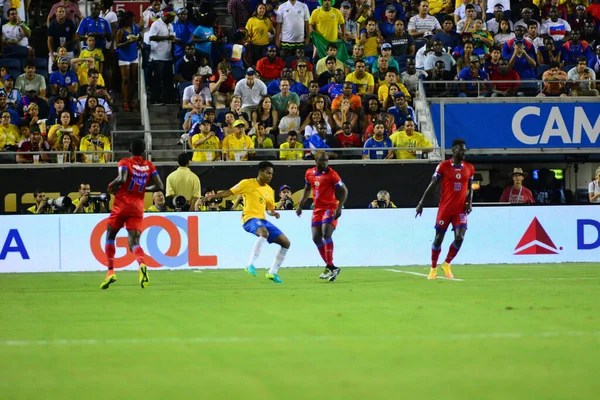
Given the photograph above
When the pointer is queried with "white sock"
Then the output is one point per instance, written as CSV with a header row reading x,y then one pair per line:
x,y
279,257
256,249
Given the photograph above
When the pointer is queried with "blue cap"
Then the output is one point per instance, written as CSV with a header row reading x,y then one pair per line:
x,y
386,46
399,94
283,187
7,77
250,71
65,59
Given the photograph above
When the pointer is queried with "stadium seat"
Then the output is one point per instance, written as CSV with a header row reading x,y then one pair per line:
x,y
540,69
40,64
19,53
15,72
281,138
418,45
11,63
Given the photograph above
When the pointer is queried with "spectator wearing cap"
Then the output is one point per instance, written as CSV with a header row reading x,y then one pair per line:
x,y
183,29
61,32
16,33
578,17
15,118
517,193
285,198
450,39
240,11
493,24
588,77
271,66
352,30
95,26
424,50
505,89
528,15
401,42
64,77
492,5
13,96
423,22
292,30
509,46
555,27
197,88
575,48
251,91
473,73
381,9
291,149
401,111
161,37
237,147
438,54
32,142
386,52
546,10
259,28
467,24
386,26
202,137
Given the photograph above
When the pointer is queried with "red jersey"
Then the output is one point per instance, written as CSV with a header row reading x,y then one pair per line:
x,y
455,184
323,186
139,172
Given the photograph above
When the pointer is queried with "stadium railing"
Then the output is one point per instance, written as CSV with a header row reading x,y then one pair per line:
x,y
145,117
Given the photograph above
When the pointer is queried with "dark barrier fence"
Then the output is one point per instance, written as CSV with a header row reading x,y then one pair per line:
x,y
405,182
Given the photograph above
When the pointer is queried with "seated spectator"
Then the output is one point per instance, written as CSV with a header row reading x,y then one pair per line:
x,y
505,74
57,108
228,121
401,110
291,121
295,87
30,81
517,193
388,101
370,38
203,138
383,67
482,39
528,16
546,10
383,201
594,188
328,75
358,53
591,34
10,135
319,105
320,140
32,143
578,18
594,62
443,88
587,78
300,56
345,114
575,48
63,77
307,99
13,96
197,88
60,53
438,54
236,109
533,35
463,61
99,116
31,98
291,150
195,114
402,43
492,64
83,70
424,50
386,54
467,24
371,115
346,139
69,101
86,109
364,82
423,22
557,28
262,140
94,145
473,73
68,149
90,102
450,39
251,91
284,97
203,68
237,147
322,65
494,25
15,33
409,137
15,118
187,66
524,64
461,11
158,203
301,74
336,88
91,51
387,22
410,78
222,85
379,143
548,53
311,126
271,66
209,115
266,114
509,46
504,33
31,116
555,80
66,126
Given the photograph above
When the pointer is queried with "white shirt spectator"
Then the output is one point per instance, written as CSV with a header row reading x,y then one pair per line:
x,y
250,96
556,30
594,189
420,57
524,25
412,81
292,19
501,38
574,75
493,3
461,25
494,26
110,17
429,23
14,32
161,51
204,93
462,13
23,85
81,106
150,16
431,59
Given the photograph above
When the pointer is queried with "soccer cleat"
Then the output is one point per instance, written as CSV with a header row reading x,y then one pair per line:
x,y
251,270
335,271
275,278
110,278
432,273
325,274
447,268
143,274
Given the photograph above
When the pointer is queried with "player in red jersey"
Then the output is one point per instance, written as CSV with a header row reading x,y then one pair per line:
x,y
324,181
128,208
456,203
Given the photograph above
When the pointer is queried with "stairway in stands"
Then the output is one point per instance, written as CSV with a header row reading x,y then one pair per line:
x,y
163,118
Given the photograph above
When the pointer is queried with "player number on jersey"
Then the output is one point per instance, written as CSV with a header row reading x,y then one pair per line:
x,y
140,179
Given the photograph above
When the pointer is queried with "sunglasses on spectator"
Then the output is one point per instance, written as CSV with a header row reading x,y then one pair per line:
x,y
301,65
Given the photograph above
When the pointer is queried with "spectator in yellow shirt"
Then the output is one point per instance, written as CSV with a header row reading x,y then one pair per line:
x,y
94,143
364,82
390,79
204,140
237,147
325,20
92,52
82,68
259,26
409,138
10,135
292,143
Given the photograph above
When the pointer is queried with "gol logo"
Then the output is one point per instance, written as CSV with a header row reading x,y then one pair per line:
x,y
173,257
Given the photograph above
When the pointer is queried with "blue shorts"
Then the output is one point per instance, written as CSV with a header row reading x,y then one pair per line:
x,y
253,224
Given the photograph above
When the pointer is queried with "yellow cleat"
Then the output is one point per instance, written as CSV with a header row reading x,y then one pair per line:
x,y
447,268
108,280
432,273
143,275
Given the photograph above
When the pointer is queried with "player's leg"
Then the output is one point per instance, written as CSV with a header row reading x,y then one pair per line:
x,y
136,249
284,243
317,237
436,249
328,228
459,236
261,233
112,228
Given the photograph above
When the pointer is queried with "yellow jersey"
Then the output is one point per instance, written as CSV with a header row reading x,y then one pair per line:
x,y
212,143
55,134
287,154
361,84
153,208
100,143
91,208
327,22
45,210
82,77
96,54
10,136
242,145
384,89
401,139
257,198
258,30
371,45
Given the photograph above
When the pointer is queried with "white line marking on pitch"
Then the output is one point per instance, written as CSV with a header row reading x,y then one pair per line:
x,y
292,339
420,274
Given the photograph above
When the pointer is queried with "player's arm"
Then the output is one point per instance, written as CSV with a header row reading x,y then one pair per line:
x,y
341,192
432,185
469,205
121,178
221,194
157,184
305,196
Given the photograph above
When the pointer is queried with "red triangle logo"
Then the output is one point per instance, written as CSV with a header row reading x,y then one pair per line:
x,y
535,240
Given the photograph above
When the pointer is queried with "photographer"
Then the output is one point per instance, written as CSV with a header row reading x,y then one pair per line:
x,y
41,204
285,198
209,205
158,200
88,204
183,182
383,201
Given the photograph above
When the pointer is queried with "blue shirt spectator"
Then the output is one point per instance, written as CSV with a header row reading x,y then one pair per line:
x,y
333,89
570,51
63,77
401,111
377,149
183,30
295,87
204,32
95,26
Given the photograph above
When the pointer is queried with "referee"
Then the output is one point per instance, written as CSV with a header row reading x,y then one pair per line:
x,y
183,182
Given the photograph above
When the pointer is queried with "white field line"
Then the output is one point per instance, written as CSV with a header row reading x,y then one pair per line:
x,y
293,339
420,274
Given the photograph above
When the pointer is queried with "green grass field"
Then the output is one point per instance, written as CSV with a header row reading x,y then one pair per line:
x,y
504,332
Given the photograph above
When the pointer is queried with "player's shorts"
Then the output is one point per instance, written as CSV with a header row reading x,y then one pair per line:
x,y
445,218
324,216
253,224
128,216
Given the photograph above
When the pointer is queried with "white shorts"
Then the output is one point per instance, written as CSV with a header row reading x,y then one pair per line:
x,y
124,63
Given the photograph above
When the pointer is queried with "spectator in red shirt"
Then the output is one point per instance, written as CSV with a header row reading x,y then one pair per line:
x,y
593,10
34,142
505,74
346,139
270,67
517,193
222,85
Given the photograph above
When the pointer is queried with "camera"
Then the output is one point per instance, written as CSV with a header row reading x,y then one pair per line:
x,y
214,201
177,202
60,203
381,204
288,204
99,198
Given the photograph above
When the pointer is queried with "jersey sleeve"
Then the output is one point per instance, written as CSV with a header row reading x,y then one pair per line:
x,y
472,169
336,180
271,201
439,171
123,164
152,169
239,188
306,179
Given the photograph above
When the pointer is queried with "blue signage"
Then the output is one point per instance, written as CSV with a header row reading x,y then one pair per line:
x,y
520,125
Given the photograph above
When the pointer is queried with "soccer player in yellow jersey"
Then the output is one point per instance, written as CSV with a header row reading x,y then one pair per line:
x,y
259,197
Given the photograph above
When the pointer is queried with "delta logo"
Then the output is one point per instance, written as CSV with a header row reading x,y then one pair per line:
x,y
535,240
